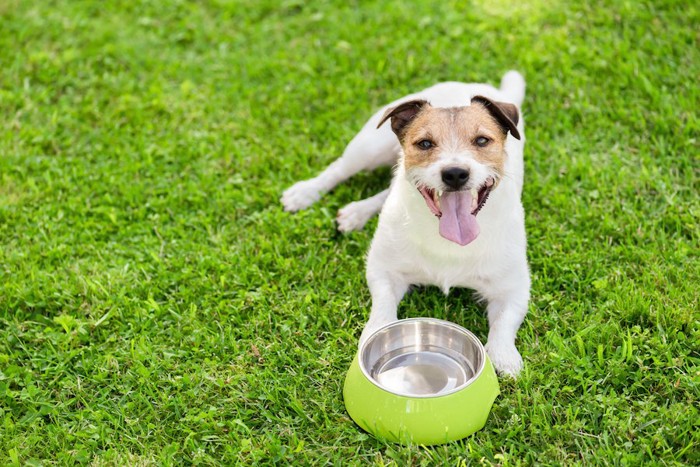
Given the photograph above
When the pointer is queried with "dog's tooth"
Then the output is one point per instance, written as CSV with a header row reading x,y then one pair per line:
x,y
475,193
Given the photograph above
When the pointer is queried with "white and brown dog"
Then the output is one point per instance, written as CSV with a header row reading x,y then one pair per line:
x,y
452,216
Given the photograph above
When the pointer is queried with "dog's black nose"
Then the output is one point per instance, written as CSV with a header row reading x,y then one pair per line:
x,y
455,177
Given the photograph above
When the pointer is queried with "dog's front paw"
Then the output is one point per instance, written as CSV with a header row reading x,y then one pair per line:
x,y
353,217
505,358
301,195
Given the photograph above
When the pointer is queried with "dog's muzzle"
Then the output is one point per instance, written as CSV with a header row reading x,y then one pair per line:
x,y
457,209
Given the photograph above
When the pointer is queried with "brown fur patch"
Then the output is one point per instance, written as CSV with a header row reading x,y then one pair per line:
x,y
454,130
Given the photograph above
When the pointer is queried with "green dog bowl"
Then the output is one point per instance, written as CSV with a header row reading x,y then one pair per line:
x,y
421,381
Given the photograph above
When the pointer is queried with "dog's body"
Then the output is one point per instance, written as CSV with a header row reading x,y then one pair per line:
x,y
459,155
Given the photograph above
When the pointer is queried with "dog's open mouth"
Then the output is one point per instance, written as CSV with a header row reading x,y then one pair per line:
x,y
457,210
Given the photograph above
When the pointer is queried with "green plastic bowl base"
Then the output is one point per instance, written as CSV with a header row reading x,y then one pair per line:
x,y
420,420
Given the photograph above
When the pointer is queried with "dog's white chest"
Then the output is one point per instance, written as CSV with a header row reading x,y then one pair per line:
x,y
407,241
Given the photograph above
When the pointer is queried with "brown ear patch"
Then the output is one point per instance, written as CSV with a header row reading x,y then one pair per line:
x,y
505,114
402,115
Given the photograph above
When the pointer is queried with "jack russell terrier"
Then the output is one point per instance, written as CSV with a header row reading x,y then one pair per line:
x,y
452,216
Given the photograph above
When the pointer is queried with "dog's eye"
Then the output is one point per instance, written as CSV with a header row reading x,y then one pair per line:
x,y
482,141
425,144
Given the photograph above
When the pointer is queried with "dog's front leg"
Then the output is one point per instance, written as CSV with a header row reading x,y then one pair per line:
x,y
506,313
387,290
355,215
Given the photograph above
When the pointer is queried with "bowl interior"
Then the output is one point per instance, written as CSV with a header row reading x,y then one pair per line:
x,y
422,357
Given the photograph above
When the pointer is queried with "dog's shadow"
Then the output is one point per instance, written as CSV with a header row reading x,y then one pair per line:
x,y
460,307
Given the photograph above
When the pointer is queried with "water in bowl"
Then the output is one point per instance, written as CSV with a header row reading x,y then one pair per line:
x,y
429,371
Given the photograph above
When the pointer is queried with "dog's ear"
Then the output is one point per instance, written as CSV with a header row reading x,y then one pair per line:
x,y
505,114
401,115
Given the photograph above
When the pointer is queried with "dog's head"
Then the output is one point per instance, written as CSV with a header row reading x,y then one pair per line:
x,y
454,156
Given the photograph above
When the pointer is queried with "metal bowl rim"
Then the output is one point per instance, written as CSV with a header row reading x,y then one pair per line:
x,y
470,335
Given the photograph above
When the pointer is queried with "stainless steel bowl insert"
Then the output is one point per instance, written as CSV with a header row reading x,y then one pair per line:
x,y
422,357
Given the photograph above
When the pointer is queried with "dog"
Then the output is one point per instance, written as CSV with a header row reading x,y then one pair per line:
x,y
452,216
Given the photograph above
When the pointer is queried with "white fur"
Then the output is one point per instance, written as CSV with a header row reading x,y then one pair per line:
x,y
407,248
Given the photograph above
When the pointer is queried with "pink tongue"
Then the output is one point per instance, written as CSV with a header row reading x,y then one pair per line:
x,y
457,223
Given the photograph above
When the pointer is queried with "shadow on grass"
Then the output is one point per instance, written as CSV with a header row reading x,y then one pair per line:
x,y
460,307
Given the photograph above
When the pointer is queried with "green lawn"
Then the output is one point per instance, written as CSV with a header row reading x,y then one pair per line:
x,y
157,305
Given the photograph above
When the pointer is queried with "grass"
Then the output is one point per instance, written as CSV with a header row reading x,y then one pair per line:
x,y
157,306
